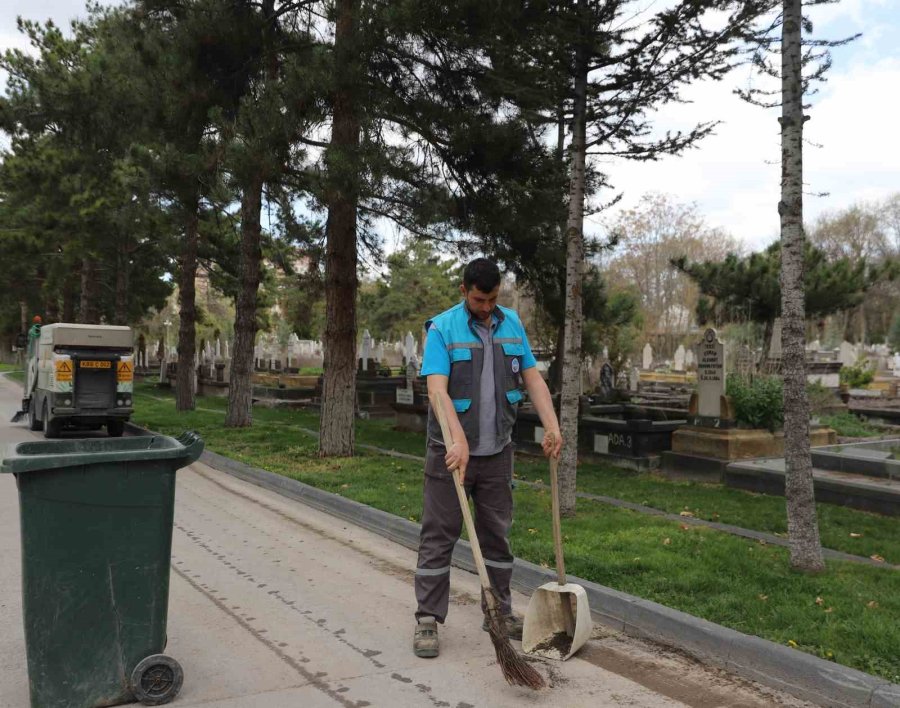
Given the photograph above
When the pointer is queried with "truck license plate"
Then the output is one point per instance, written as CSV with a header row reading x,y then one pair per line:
x,y
96,365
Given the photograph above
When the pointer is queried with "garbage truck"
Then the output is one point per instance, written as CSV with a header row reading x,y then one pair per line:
x,y
79,376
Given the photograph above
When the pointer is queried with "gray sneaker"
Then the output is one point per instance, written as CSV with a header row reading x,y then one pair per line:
x,y
514,625
425,638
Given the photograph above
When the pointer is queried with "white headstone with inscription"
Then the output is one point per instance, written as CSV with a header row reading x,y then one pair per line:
x,y
710,375
647,358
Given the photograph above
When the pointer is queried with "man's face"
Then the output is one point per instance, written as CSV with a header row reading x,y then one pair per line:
x,y
480,304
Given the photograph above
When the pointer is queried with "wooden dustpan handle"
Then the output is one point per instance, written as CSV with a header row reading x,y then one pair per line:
x,y
565,601
557,528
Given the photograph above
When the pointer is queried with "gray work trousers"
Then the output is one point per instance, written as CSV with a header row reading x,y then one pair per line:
x,y
489,483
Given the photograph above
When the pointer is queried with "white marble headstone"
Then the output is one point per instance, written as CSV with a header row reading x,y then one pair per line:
x,y
365,352
679,358
847,354
647,358
409,346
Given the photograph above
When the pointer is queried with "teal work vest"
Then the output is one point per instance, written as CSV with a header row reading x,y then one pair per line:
x,y
466,352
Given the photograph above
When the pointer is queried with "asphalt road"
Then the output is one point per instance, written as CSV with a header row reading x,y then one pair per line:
x,y
273,604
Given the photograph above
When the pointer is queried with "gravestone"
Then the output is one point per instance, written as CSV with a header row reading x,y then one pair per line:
x,y
710,375
647,357
633,379
847,354
409,346
679,358
689,359
607,382
365,351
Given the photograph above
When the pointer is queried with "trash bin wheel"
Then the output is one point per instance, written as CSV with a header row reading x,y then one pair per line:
x,y
156,680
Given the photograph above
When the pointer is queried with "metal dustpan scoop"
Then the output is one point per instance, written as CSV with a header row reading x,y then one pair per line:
x,y
558,618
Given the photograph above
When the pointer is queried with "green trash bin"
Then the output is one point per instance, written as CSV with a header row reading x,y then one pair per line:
x,y
96,519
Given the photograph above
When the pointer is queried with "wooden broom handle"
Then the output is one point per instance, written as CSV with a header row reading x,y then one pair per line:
x,y
464,503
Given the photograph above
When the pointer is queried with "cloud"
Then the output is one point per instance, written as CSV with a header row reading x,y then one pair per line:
x,y
734,175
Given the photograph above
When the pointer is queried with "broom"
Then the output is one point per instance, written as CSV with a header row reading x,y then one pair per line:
x,y
516,670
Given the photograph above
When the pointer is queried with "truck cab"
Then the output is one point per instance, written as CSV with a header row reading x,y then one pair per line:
x,y
80,376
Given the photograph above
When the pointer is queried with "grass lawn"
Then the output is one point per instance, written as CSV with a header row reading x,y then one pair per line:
x,y
8,367
14,373
850,614
850,425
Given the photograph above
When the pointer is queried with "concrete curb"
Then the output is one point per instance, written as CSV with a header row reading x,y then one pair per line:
x,y
803,675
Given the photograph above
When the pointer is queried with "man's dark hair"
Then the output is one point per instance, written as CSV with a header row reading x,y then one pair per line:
x,y
483,274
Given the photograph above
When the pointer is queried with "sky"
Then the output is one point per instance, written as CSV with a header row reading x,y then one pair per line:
x,y
853,153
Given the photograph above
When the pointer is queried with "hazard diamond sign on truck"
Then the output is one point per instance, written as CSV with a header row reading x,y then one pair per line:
x,y
63,371
125,371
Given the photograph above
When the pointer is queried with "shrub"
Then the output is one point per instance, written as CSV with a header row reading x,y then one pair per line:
x,y
821,398
757,401
857,376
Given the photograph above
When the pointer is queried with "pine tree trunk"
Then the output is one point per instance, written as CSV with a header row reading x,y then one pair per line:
x,y
339,381
240,386
571,369
803,528
69,297
121,306
184,381
87,311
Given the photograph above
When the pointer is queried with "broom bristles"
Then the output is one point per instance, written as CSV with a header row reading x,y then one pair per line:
x,y
516,670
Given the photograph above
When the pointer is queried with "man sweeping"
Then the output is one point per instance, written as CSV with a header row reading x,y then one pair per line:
x,y
477,355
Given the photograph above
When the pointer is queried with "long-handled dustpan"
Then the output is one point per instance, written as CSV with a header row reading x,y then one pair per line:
x,y
558,619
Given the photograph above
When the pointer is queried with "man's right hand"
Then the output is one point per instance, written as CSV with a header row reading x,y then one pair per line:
x,y
457,458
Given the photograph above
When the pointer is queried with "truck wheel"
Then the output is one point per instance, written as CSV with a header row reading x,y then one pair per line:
x,y
156,680
115,427
34,422
51,427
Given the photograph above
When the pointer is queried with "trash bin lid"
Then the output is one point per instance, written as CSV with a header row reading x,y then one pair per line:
x,y
37,455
